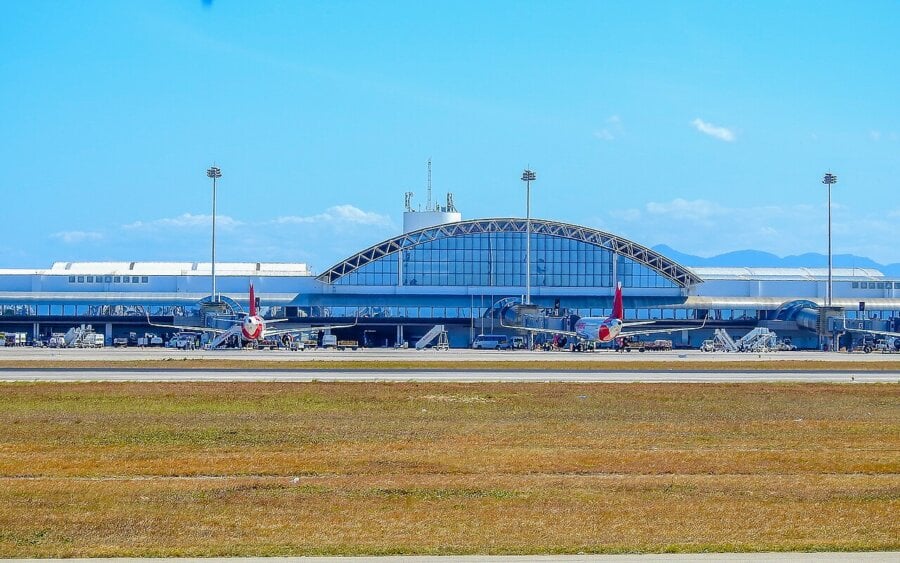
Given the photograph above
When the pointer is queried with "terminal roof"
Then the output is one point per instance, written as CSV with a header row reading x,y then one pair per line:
x,y
167,269
806,274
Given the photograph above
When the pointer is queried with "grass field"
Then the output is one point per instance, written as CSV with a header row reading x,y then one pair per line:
x,y
344,468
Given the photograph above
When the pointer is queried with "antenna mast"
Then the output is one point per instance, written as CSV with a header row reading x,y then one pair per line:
x,y
428,202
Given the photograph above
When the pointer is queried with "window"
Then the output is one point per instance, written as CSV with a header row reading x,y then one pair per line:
x,y
125,279
90,279
117,279
880,285
896,285
144,279
71,279
855,285
80,279
135,279
107,279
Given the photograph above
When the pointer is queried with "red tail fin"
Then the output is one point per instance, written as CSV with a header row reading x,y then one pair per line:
x,y
252,302
618,312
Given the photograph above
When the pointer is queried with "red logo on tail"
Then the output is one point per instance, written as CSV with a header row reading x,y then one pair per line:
x,y
252,302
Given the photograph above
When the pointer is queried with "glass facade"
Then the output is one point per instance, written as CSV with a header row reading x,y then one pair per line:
x,y
498,260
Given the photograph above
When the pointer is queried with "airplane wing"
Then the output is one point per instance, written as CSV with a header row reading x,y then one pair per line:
x,y
280,331
539,330
657,331
186,327
238,321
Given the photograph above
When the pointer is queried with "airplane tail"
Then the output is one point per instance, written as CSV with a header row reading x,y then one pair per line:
x,y
618,312
252,302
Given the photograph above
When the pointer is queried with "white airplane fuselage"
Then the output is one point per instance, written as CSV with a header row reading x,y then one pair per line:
x,y
598,329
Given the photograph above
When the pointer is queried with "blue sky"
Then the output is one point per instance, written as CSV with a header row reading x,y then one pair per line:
x,y
703,125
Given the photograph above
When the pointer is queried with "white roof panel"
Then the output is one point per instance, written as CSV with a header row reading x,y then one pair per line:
x,y
800,274
166,269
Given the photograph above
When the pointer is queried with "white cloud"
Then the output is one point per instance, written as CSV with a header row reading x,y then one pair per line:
x,y
716,131
185,221
611,131
339,214
77,237
705,228
630,215
694,210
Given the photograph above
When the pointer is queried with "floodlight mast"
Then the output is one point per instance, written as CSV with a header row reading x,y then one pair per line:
x,y
829,180
215,173
528,176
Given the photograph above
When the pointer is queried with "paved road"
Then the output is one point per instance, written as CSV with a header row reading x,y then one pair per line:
x,y
446,376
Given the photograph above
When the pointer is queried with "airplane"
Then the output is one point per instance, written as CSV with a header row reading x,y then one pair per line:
x,y
607,329
251,326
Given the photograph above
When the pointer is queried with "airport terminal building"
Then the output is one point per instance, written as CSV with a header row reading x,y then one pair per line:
x,y
468,275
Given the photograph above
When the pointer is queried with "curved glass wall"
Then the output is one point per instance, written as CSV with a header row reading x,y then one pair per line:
x,y
498,260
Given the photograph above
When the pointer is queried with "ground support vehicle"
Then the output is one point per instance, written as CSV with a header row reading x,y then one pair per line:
x,y
269,344
120,342
184,341
91,340
13,339
627,345
344,344
490,342
149,340
584,346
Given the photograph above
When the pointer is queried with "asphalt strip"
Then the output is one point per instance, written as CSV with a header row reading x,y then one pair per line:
x,y
444,376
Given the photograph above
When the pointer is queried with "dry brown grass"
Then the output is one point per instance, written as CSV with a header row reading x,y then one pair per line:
x,y
344,468
740,363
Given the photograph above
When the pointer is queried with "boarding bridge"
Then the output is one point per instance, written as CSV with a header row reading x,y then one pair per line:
x,y
436,330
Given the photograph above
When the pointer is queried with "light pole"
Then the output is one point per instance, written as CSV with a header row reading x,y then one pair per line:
x,y
214,173
528,176
829,180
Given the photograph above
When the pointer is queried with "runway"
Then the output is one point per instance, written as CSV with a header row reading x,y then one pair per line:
x,y
460,376
411,355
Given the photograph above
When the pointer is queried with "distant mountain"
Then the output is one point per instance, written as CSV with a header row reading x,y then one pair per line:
x,y
759,259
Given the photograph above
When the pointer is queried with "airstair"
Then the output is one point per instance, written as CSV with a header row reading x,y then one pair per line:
x,y
760,339
72,336
223,337
435,332
724,341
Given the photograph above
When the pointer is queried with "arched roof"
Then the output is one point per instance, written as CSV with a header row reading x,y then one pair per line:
x,y
673,271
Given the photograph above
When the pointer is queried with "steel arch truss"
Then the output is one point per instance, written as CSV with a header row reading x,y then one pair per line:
x,y
673,271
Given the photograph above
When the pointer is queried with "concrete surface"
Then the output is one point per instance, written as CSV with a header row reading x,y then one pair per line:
x,y
148,375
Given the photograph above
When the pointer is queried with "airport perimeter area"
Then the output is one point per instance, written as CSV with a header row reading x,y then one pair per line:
x,y
445,461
